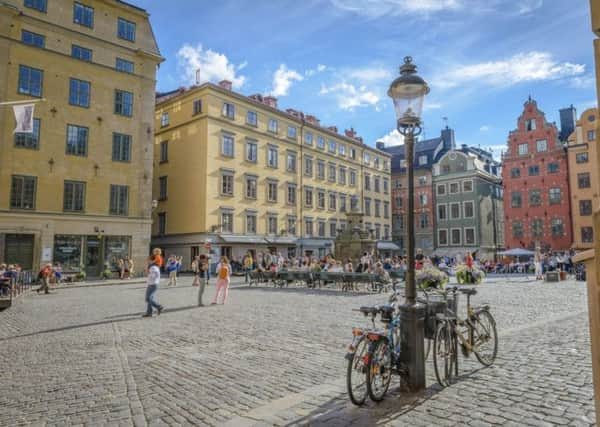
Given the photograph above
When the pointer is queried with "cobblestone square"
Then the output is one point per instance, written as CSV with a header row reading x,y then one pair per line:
x,y
84,356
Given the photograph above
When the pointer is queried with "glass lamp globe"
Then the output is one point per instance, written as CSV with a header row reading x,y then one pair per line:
x,y
408,93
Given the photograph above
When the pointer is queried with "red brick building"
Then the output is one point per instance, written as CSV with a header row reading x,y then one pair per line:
x,y
536,184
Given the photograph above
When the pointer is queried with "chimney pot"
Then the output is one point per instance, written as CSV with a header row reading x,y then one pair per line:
x,y
225,84
271,101
333,128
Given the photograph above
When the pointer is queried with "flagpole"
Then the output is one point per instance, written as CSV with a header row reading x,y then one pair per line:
x,y
28,101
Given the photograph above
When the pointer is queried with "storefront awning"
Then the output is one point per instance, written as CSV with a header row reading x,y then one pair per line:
x,y
236,238
315,243
387,246
281,240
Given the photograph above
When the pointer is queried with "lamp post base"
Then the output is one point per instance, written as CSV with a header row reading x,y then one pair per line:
x,y
412,352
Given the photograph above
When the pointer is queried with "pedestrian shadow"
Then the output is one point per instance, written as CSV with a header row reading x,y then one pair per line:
x,y
109,319
309,291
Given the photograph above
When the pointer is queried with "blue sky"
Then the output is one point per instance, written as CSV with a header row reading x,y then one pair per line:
x,y
335,58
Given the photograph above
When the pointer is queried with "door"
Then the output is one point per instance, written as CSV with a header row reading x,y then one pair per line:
x,y
93,256
18,249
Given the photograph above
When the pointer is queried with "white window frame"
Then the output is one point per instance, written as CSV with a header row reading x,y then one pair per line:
x,y
253,215
227,135
524,151
270,163
450,188
460,234
464,211
437,191
545,145
251,113
450,210
269,198
273,126
474,236
447,237
437,211
463,186
422,160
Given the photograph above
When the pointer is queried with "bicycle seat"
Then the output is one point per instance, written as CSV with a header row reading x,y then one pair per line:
x,y
368,310
468,291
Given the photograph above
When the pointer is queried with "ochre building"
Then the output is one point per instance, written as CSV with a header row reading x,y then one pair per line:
x,y
584,178
235,174
78,190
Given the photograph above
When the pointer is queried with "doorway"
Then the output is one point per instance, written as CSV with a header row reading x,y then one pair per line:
x,y
18,249
93,256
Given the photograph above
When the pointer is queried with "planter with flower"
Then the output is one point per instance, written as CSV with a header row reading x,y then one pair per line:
x,y
462,275
430,277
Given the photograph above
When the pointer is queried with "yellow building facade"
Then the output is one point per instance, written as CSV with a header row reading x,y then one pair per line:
x,y
236,173
78,190
584,179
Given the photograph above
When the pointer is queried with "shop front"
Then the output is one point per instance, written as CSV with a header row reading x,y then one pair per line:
x,y
91,253
18,249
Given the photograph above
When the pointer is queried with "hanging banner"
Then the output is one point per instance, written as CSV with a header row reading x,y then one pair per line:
x,y
24,118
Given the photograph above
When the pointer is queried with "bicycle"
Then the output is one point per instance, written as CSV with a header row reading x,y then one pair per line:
x,y
475,334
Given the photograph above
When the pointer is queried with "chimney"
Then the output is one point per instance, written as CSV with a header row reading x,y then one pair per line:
x,y
350,133
257,97
332,128
380,145
225,84
271,101
359,139
295,113
312,120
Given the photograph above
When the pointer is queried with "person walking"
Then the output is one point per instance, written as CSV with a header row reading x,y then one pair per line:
x,y
45,275
152,286
172,270
223,279
248,263
196,270
203,278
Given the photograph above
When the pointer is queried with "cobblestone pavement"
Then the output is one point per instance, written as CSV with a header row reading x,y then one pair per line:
x,y
85,356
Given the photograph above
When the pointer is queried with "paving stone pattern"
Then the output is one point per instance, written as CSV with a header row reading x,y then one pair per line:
x,y
84,356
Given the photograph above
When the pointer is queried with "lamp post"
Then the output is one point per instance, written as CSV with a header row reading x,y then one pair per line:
x,y
408,92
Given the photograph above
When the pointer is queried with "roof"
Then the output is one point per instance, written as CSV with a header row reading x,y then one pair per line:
x,y
420,146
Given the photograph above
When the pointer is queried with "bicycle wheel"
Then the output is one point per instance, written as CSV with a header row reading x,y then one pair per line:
x,y
379,370
485,338
356,375
444,355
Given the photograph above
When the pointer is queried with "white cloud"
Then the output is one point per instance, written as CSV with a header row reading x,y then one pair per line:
x,y
321,68
213,66
393,138
484,128
519,68
312,71
242,65
527,6
428,106
371,75
377,8
348,96
583,82
282,80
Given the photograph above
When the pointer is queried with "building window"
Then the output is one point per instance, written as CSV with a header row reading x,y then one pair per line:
x,y
272,157
585,207
33,39
164,151
124,66
126,29
557,227
581,157
587,234
535,197
376,162
517,229
22,192
162,188
541,145
530,125
83,15
251,151
441,189
251,223
291,132
386,165
121,149
162,223
367,158
591,135
367,182
308,138
352,178
332,146
455,236
74,196
534,170
40,5
227,184
352,154
469,236
386,186
29,140
398,202
228,110
342,149
332,201
368,207
469,210
272,191
386,232
79,93
332,172
555,196
291,162
320,169
119,200
123,103
77,139
308,197
251,187
272,224
403,164
342,203
422,160
227,145
321,229
252,118
30,81
422,180
376,181
515,173
443,237
467,186
386,209
227,221
423,199
423,221
454,187
523,149
164,119
515,199
454,210
273,126
583,180
320,199
320,142
291,226
333,229
308,224
553,167
537,227
81,53
442,212
308,166
291,195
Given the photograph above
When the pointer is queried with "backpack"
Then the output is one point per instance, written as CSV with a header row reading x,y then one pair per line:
x,y
223,271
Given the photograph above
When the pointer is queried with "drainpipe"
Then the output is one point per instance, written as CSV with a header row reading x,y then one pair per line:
x,y
300,200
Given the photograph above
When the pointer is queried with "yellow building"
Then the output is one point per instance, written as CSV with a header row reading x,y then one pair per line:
x,y
584,179
240,174
78,190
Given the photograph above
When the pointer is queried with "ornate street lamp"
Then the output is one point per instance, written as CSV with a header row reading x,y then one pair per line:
x,y
408,93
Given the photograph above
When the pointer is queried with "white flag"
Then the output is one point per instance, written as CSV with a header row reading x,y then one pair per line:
x,y
24,118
